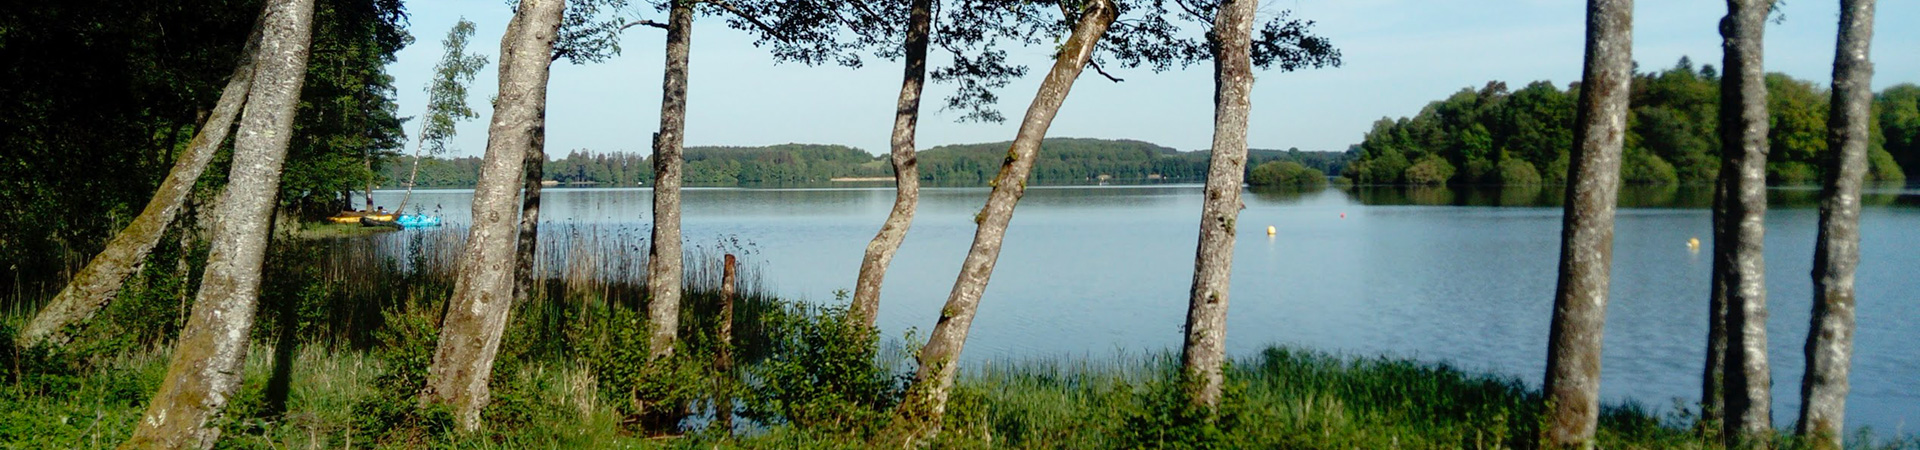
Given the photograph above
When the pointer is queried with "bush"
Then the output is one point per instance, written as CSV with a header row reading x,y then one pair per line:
x,y
1642,167
823,373
1431,170
1286,173
1790,173
1882,168
1516,171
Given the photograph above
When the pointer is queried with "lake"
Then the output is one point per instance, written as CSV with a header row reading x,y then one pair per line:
x,y
1464,276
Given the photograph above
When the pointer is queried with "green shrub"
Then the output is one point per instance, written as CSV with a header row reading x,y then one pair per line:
x,y
1286,173
823,372
1516,171
1641,167
1431,170
1792,173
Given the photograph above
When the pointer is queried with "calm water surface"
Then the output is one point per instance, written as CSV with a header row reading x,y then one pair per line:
x,y
1463,277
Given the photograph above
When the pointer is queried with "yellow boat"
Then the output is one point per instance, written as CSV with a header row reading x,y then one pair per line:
x,y
353,217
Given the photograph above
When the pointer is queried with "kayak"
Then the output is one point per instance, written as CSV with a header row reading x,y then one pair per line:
x,y
417,221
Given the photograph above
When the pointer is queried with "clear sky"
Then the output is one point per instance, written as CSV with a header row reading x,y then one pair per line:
x,y
1399,55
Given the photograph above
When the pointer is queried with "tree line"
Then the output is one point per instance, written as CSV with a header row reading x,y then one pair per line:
x,y
1496,136
1065,160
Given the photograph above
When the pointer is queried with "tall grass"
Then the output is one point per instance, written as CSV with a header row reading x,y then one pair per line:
x,y
347,327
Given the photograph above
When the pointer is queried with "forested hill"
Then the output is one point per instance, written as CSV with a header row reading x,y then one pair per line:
x,y
1495,136
1063,160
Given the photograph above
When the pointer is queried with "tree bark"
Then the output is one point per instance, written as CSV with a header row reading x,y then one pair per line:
x,y
205,369
917,419
1823,390
96,284
1586,237
530,217
663,256
1206,329
906,169
1743,173
483,289
1713,380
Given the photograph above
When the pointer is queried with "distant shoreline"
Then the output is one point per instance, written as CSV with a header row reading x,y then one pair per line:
x,y
858,179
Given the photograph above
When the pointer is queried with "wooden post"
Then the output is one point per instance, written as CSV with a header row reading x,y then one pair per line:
x,y
723,359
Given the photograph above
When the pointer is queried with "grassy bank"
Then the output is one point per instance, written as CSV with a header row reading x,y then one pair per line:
x,y
1282,398
347,327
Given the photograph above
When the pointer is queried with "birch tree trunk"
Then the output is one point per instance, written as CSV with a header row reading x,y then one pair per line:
x,y
663,256
1743,174
1206,329
917,419
530,216
1823,390
1586,237
205,368
906,169
483,289
1714,380
96,284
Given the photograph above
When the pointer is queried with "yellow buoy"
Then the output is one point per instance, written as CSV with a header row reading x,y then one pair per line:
x,y
1269,230
1693,244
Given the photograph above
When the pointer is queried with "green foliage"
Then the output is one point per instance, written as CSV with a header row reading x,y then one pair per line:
x,y
1646,168
1062,160
392,415
1431,170
1517,172
1671,132
1286,173
823,373
447,92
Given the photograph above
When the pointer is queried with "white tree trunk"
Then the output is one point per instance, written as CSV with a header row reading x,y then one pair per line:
x,y
1823,390
1586,238
483,289
205,369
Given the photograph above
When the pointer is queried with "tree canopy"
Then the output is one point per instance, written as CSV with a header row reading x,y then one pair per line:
x,y
1495,136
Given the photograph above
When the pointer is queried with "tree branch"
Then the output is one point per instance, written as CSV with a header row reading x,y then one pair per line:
x,y
643,22
1096,69
728,6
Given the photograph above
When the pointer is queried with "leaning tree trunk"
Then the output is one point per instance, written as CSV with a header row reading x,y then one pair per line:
x,y
663,256
1713,379
906,169
530,217
1823,390
1586,236
1743,173
413,175
917,419
483,289
1206,330
205,370
100,280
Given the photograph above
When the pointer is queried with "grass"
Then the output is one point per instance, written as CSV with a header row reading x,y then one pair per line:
x,y
361,312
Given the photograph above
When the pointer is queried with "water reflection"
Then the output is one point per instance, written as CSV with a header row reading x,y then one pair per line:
x,y
1458,274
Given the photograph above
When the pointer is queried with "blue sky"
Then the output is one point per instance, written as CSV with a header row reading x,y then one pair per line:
x,y
1399,55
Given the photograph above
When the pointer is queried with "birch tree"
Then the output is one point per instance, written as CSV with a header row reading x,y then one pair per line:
x,y
917,418
1836,254
1743,175
1586,238
205,368
476,315
95,285
446,101
906,172
663,250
